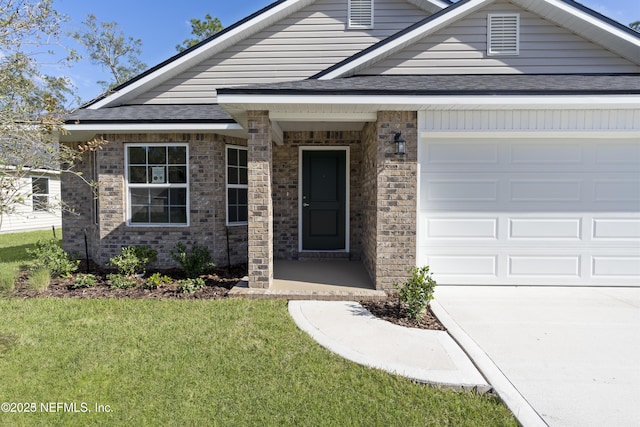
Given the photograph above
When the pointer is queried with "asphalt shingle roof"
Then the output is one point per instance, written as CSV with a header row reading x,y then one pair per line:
x,y
170,113
509,84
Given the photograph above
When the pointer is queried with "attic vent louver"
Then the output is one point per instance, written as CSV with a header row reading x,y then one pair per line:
x,y
360,13
503,34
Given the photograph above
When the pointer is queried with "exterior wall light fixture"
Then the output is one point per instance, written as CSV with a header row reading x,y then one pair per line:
x,y
401,144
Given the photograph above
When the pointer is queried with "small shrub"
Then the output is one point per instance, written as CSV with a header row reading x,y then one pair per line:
x,y
49,255
84,281
8,280
133,260
189,286
417,291
119,281
193,263
156,280
39,279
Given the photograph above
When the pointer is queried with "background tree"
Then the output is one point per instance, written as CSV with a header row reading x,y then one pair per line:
x,y
109,48
635,25
201,30
32,102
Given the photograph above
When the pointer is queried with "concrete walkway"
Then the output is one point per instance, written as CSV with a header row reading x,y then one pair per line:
x,y
349,330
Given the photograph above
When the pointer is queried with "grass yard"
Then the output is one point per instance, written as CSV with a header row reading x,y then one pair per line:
x,y
200,362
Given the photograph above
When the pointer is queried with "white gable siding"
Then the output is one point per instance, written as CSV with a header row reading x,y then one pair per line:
x,y
25,219
295,48
462,49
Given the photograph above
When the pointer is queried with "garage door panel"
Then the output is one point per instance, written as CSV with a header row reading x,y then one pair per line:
x,y
618,228
466,228
544,265
607,267
547,213
545,228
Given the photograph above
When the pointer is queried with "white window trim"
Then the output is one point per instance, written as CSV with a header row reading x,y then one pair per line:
x,y
169,186
515,52
357,26
228,186
47,194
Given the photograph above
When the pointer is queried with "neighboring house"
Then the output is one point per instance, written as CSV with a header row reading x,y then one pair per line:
x,y
40,209
519,121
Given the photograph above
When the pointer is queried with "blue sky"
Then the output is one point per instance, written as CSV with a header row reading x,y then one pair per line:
x,y
163,24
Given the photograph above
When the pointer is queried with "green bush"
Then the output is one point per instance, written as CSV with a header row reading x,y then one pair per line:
x,y
133,260
193,263
84,281
8,279
189,286
39,279
49,255
119,281
156,280
417,291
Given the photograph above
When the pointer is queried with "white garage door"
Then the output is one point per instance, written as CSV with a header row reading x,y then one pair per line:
x,y
530,211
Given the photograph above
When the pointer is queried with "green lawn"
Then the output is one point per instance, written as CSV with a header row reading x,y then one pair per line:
x,y
201,362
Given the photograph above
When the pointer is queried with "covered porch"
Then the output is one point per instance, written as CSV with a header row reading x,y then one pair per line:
x,y
333,280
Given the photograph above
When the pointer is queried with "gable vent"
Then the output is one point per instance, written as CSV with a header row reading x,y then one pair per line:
x,y
360,13
503,34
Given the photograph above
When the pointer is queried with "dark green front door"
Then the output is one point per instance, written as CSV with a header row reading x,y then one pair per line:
x,y
323,199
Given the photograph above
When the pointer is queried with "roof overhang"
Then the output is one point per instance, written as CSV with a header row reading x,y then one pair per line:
x,y
85,131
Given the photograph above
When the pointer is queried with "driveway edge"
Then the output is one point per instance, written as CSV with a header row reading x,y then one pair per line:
x,y
517,404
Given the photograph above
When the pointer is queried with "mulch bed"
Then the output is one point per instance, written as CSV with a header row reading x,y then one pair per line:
x,y
392,310
218,283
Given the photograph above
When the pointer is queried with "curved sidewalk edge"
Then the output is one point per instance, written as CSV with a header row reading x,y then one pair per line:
x,y
522,410
349,330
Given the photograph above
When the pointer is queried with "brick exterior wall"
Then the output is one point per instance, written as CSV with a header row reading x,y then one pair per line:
x,y
207,204
383,195
286,171
260,239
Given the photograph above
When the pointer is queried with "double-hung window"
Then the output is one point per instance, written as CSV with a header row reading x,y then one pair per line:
x,y
157,184
237,186
40,194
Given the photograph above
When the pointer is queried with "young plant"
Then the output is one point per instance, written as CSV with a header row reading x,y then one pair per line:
x,y
156,280
49,255
119,281
134,260
193,263
417,291
8,280
189,286
39,279
84,281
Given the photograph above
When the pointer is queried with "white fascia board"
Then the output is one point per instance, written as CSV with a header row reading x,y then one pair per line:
x,y
421,101
151,127
424,4
594,21
332,117
405,39
524,133
207,50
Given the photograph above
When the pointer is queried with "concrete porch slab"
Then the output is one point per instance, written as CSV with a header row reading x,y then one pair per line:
x,y
315,280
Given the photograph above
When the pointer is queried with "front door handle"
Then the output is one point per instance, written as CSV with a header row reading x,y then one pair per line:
x,y
305,205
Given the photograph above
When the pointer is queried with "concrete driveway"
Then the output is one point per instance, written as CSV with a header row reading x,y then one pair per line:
x,y
572,353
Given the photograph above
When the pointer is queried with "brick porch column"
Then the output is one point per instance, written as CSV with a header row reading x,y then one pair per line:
x,y
260,239
397,183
